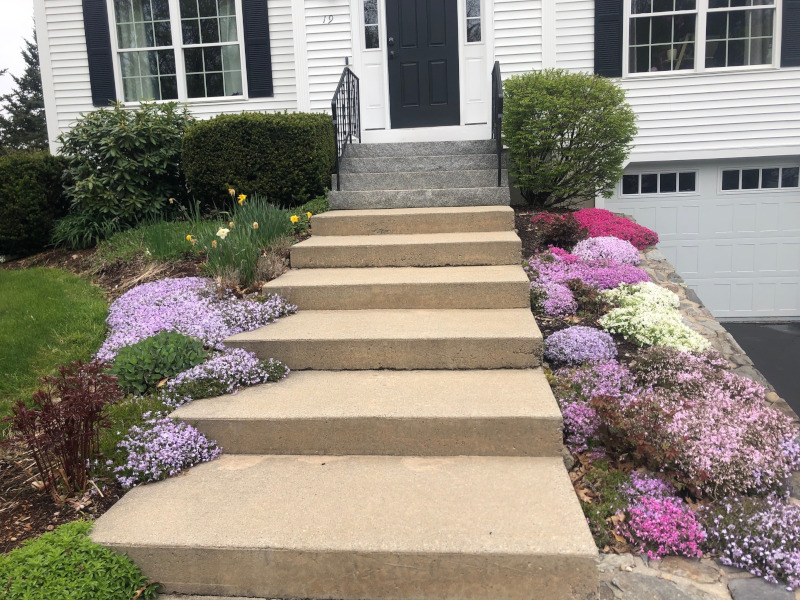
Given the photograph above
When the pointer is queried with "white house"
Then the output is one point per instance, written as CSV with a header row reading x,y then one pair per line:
x,y
715,84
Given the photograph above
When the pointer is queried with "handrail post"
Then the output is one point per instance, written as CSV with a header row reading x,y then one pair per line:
x,y
345,107
336,139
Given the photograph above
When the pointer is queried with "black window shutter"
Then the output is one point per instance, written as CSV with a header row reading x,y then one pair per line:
x,y
790,46
608,38
98,46
258,58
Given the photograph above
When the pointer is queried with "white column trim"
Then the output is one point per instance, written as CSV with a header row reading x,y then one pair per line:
x,y
548,34
302,90
46,69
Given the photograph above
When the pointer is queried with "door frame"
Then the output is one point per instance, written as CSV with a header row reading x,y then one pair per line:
x,y
472,113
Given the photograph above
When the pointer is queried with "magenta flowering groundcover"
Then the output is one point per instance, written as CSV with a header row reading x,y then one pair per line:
x,y
600,222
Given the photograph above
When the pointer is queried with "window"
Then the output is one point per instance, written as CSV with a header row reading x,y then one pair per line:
x,y
760,179
739,32
662,35
146,53
371,28
171,49
473,21
670,182
695,35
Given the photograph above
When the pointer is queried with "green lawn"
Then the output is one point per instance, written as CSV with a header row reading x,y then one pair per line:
x,y
47,318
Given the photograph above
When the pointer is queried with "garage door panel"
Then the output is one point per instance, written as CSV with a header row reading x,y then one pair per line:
x,y
763,298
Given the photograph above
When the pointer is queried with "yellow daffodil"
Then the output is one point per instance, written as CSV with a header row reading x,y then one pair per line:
x,y
255,225
230,224
242,198
294,218
214,243
172,200
188,238
232,191
223,233
308,214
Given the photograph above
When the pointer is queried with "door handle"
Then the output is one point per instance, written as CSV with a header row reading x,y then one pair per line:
x,y
391,54
391,41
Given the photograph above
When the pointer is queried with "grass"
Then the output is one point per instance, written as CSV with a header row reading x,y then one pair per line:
x,y
66,565
47,318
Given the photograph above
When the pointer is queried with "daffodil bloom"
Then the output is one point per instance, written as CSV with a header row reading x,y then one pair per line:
x,y
223,233
172,200
232,191
255,225
308,214
294,218
214,243
188,238
230,224
242,198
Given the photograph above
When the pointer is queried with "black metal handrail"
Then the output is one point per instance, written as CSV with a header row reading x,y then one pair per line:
x,y
497,118
346,109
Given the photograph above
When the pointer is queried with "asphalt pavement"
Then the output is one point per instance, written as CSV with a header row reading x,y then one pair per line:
x,y
774,348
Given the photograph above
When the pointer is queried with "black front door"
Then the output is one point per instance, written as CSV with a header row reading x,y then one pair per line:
x,y
423,62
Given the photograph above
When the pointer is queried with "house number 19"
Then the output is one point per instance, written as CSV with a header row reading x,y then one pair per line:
x,y
327,19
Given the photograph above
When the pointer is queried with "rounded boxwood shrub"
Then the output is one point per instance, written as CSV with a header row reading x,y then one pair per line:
x,y
286,157
140,367
31,199
568,135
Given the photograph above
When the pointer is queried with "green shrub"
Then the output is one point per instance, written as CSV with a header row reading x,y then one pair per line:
x,y
125,164
568,135
66,565
31,199
286,157
141,366
83,229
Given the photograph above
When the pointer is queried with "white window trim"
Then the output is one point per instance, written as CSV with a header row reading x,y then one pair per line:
x,y
700,46
695,192
363,23
759,190
180,62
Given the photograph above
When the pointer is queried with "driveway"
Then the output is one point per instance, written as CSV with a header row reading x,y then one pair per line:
x,y
774,348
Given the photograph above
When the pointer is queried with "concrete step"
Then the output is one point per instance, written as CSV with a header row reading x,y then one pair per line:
x,y
356,527
420,149
398,413
412,180
447,162
450,219
413,250
420,198
503,286
399,339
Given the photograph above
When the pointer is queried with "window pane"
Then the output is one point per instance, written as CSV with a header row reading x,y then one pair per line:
x,y
789,177
212,59
193,57
227,8
640,59
736,50
650,183
188,8
122,9
639,7
684,28
370,12
770,178
686,181
473,8
231,58
169,88
215,85
208,8
630,184
191,31
161,10
717,3
737,24
715,54
371,36
730,180
668,183
136,27
129,63
663,5
209,31
685,57
661,30
131,89
166,62
760,23
685,5
195,86
717,26
233,83
750,179
473,30
227,30
640,32
163,33
761,51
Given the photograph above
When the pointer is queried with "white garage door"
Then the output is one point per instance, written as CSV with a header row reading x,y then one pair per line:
x,y
731,228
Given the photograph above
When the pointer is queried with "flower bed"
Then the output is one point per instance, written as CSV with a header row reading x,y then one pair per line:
x,y
670,407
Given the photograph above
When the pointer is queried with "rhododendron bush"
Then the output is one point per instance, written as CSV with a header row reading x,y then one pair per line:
x,y
600,222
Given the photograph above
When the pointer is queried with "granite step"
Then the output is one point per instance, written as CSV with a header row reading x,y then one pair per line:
x,y
412,250
420,149
447,162
450,219
420,198
508,412
413,180
399,339
355,527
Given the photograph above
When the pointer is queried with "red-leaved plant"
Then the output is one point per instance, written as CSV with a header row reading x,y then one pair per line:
x,y
61,428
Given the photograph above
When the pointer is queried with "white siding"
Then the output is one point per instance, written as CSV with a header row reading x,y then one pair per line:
x,y
574,35
328,43
518,35
716,115
65,65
